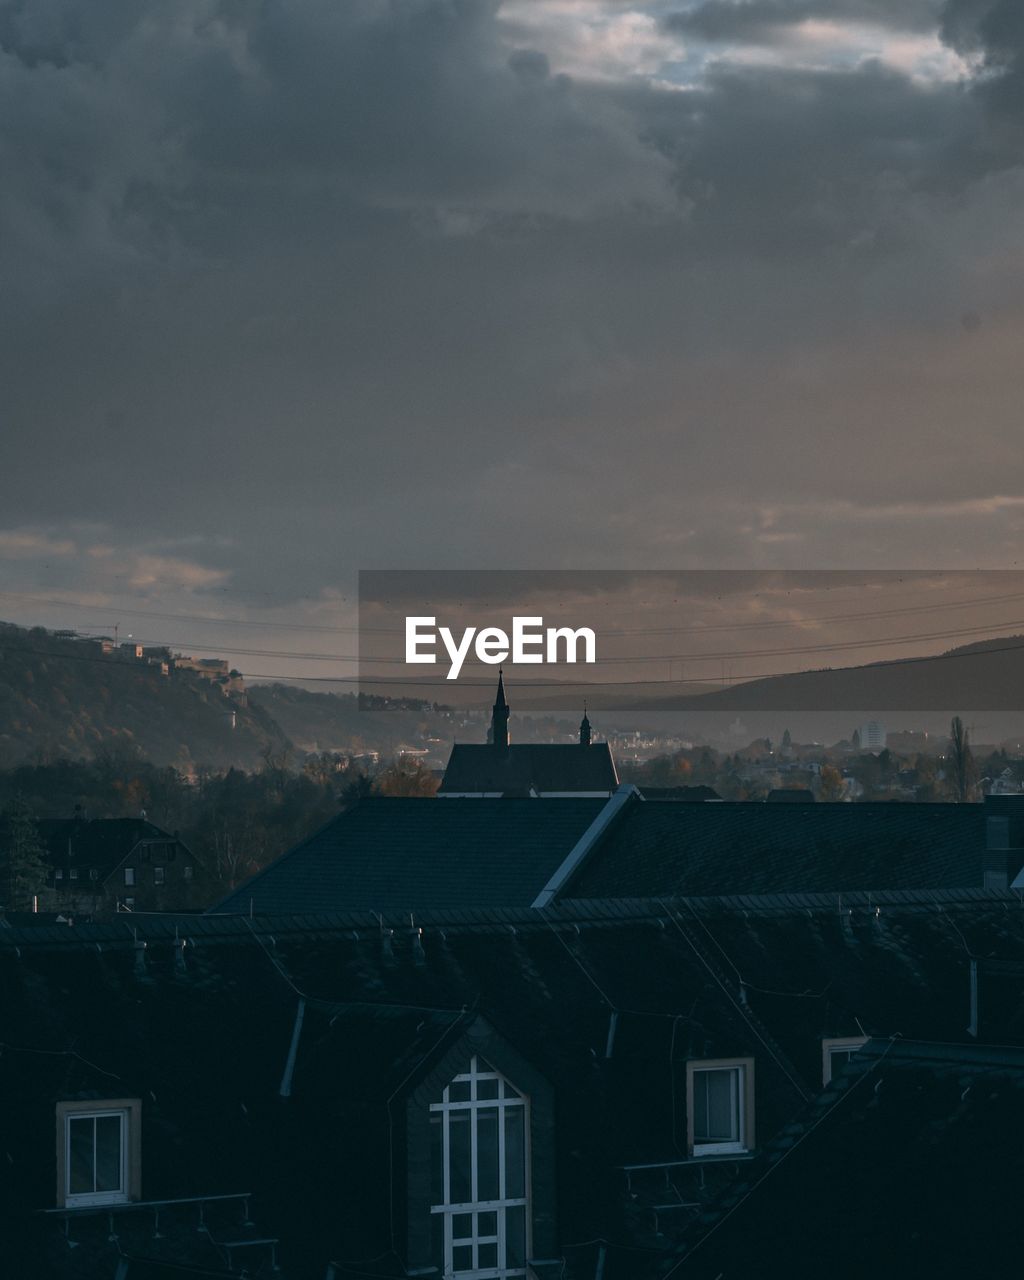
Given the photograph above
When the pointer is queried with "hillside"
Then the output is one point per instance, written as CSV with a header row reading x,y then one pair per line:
x,y
350,724
63,697
984,676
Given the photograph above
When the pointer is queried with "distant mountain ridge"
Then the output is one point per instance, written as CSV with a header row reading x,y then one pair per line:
x,y
986,675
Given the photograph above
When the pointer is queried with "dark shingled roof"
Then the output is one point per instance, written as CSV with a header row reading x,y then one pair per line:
x,y
750,847
399,853
202,1034
910,1164
514,770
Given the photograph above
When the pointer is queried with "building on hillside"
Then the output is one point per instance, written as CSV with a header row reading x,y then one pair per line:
x,y
100,866
503,1092
502,768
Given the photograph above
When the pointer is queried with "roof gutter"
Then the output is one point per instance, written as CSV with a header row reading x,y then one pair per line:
x,y
588,840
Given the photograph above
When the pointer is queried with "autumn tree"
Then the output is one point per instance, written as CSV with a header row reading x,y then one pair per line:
x,y
23,866
401,779
830,783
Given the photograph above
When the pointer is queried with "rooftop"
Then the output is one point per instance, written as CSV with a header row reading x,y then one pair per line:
x,y
701,849
522,768
607,1001
416,853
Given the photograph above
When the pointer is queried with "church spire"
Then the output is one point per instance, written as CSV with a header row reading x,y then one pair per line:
x,y
584,729
499,716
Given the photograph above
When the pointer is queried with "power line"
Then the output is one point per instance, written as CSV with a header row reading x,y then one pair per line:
x,y
839,646
551,686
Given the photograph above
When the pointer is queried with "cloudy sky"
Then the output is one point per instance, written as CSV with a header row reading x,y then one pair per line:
x,y
294,287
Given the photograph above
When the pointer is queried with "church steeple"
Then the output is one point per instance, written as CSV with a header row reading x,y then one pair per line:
x,y
584,729
499,717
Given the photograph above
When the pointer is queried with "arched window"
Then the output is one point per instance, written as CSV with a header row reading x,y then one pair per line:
x,y
480,1185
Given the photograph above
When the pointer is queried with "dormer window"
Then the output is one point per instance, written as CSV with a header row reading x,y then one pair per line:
x,y
97,1153
836,1053
480,1198
720,1106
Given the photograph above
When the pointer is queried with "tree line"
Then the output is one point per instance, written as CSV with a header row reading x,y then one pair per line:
x,y
234,821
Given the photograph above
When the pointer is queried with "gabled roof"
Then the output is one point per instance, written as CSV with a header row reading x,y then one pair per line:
x,y
102,843
522,767
404,853
751,847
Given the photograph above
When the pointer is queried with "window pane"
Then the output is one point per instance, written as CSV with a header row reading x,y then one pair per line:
x,y
462,1226
515,1153
437,1240
459,1187
108,1153
487,1224
487,1154
716,1110
80,1180
487,1089
515,1237
458,1091
462,1258
436,1161
488,1255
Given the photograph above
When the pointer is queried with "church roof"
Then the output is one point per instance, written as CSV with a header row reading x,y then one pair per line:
x,y
522,767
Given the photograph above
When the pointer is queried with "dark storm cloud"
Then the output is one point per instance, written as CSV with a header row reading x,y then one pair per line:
x,y
992,31
772,21
319,285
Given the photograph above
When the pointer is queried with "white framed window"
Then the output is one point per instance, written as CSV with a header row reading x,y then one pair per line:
x,y
720,1106
97,1152
73,873
836,1053
480,1132
59,874
186,871
129,876
158,875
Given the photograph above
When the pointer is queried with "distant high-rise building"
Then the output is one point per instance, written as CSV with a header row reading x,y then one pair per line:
x,y
873,736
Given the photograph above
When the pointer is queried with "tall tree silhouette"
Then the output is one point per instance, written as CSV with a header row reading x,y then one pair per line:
x,y
962,773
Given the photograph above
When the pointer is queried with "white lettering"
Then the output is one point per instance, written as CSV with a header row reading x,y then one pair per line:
x,y
457,652
413,640
531,643
571,639
492,645
521,638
